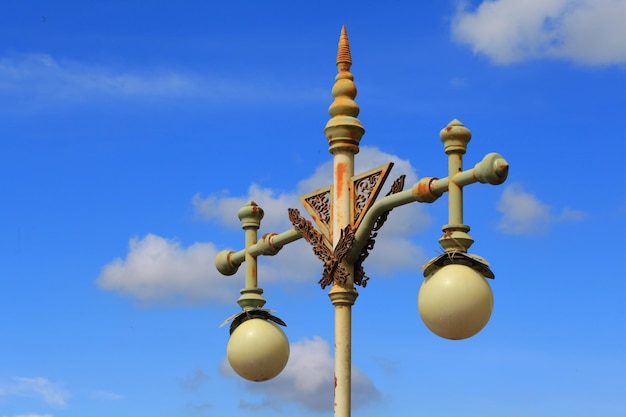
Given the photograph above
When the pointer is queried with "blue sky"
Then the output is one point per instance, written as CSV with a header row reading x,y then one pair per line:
x,y
131,132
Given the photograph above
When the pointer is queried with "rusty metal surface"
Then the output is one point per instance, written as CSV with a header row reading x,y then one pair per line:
x,y
344,130
359,273
334,271
366,187
479,263
318,205
256,313
349,216
424,192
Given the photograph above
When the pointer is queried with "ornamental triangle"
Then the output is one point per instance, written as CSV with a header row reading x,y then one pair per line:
x,y
319,205
365,189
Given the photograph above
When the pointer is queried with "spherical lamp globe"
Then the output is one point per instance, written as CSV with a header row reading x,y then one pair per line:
x,y
455,302
258,350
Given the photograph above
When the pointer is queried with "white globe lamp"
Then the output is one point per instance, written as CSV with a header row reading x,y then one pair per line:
x,y
455,302
258,350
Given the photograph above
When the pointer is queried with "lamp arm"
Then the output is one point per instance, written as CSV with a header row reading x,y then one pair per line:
x,y
421,191
493,169
228,261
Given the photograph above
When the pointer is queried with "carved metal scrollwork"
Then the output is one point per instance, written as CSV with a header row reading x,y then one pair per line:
x,y
334,270
359,273
321,204
363,189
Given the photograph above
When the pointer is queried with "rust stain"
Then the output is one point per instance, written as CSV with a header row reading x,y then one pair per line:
x,y
343,53
340,173
423,188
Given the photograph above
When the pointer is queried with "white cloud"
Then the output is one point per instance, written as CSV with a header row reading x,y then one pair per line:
x,y
51,393
523,213
308,380
44,75
33,415
369,157
43,80
458,82
106,395
199,408
585,31
193,382
394,250
161,270
223,208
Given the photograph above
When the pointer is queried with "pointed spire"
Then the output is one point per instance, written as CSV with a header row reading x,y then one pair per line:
x,y
344,130
344,58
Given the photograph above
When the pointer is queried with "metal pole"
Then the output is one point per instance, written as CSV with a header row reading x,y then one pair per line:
x,y
251,295
344,132
349,228
455,138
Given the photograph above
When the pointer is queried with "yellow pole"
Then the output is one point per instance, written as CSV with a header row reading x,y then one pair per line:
x,y
250,216
455,138
344,132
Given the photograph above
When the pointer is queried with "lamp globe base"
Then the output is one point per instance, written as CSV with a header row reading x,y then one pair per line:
x,y
258,350
455,302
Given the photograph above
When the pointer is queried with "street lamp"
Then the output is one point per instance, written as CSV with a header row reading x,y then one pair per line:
x,y
455,300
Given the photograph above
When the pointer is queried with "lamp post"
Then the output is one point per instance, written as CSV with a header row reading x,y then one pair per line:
x,y
455,300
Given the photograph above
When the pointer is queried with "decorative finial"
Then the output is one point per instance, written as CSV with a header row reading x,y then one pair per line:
x,y
455,137
344,58
344,130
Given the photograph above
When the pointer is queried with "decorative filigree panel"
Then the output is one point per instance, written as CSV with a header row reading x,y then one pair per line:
x,y
334,270
359,273
366,188
319,205
363,188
